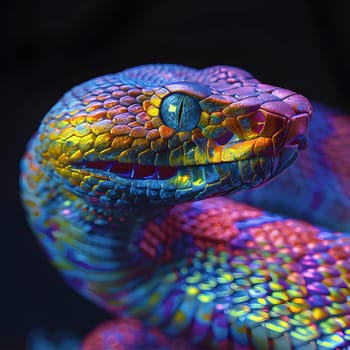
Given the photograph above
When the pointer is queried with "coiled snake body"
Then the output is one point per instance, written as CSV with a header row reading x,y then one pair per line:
x,y
123,186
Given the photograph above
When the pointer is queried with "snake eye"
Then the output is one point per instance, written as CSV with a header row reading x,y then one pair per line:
x,y
180,112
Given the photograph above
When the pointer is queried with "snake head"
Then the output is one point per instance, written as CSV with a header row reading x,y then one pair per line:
x,y
167,133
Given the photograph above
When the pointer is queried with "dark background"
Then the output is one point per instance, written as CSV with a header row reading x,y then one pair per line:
x,y
47,47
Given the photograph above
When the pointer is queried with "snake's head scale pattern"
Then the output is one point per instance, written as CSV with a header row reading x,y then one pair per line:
x,y
168,133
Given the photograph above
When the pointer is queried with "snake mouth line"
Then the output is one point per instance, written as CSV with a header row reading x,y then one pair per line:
x,y
153,172
133,171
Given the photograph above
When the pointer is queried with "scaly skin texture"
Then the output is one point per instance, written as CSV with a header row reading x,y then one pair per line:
x,y
318,185
118,184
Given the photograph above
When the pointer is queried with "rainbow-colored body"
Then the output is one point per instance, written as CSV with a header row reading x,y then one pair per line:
x,y
118,186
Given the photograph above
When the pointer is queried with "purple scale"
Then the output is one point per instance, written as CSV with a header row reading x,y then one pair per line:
x,y
312,275
220,326
326,259
75,283
241,240
319,248
203,319
318,300
317,288
282,282
344,265
339,283
244,92
309,262
282,93
172,303
329,271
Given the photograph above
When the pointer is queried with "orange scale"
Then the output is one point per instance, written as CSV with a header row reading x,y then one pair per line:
x,y
276,238
299,251
116,110
272,259
89,99
295,278
146,104
312,246
346,279
281,243
260,241
136,109
103,96
251,245
337,298
264,237
259,237
110,103
134,92
118,93
291,236
93,106
339,253
141,116
267,231
344,321
149,126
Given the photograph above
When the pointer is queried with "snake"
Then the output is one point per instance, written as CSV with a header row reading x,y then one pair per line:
x,y
172,197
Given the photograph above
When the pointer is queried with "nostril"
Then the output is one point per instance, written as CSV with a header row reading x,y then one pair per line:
x,y
300,142
297,131
224,138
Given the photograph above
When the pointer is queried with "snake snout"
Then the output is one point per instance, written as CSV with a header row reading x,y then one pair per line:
x,y
297,131
298,124
287,122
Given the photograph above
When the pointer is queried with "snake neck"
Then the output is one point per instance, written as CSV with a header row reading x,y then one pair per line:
x,y
96,248
116,255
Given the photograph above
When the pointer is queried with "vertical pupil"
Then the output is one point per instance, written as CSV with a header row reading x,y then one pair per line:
x,y
180,112
176,110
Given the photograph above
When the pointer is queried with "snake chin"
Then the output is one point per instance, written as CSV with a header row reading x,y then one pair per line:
x,y
288,156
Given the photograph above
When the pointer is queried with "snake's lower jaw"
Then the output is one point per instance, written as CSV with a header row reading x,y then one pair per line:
x,y
287,157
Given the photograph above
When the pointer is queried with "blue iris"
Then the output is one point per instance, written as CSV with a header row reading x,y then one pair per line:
x,y
180,112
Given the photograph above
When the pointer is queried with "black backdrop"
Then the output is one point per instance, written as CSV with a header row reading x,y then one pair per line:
x,y
47,47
